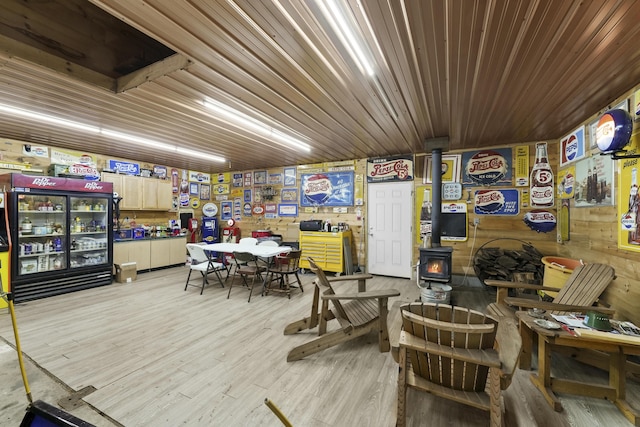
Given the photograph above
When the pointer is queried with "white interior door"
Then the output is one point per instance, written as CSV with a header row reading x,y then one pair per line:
x,y
390,224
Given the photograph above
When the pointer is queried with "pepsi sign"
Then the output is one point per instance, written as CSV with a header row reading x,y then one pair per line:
x,y
497,202
486,167
614,130
572,147
540,220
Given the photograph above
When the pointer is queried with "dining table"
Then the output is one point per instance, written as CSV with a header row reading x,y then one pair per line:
x,y
262,251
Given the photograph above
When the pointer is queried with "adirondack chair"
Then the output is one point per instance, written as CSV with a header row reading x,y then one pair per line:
x,y
458,354
582,289
360,313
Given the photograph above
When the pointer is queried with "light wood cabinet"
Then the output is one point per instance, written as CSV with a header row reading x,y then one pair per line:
x,y
141,193
156,194
151,253
160,253
115,179
326,249
140,252
178,251
131,187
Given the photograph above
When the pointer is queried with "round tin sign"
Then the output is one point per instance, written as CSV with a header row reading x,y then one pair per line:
x,y
614,130
210,209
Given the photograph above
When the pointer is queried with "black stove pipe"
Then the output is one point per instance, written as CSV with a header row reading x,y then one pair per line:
x,y
436,196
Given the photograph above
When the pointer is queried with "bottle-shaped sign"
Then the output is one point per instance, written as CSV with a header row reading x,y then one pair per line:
x,y
541,191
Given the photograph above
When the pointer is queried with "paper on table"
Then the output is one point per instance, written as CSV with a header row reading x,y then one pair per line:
x,y
571,321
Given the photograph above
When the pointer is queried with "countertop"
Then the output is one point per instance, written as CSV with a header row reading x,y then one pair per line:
x,y
149,238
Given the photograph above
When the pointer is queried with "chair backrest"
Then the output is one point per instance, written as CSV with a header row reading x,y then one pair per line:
x,y
585,284
453,328
244,257
248,241
321,279
289,262
196,253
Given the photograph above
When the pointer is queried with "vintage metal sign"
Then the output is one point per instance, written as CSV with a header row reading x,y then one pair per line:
x,y
394,168
327,189
127,168
497,202
487,167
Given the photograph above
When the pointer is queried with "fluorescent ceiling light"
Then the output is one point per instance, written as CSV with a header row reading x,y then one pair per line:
x,y
109,133
343,27
247,122
48,119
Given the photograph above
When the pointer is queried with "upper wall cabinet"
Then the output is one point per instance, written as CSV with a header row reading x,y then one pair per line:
x,y
141,193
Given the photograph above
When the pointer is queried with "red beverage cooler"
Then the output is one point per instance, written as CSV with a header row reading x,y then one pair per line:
x,y
61,229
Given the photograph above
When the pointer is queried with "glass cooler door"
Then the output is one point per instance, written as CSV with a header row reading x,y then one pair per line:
x,y
42,229
88,231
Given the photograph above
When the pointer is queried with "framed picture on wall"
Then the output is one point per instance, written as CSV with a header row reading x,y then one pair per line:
x,y
450,168
290,177
287,209
194,188
205,192
259,177
289,195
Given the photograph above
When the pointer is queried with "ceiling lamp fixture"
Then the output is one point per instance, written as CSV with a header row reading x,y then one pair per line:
x,y
245,122
345,27
108,133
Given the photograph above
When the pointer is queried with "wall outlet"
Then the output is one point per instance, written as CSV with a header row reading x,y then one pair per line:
x,y
476,221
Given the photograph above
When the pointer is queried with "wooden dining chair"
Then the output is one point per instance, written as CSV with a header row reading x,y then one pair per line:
x,y
279,271
458,354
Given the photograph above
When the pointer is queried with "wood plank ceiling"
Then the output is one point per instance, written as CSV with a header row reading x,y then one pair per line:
x,y
483,73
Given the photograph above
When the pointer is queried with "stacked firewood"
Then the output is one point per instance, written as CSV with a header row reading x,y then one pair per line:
x,y
504,264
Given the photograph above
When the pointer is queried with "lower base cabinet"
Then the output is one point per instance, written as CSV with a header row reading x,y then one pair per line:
x,y
151,253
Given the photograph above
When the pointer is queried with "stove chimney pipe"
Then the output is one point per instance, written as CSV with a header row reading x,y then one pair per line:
x,y
436,146
436,196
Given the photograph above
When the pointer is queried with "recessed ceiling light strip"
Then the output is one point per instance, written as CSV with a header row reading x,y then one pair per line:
x,y
19,112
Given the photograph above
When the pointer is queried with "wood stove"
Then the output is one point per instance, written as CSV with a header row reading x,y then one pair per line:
x,y
435,264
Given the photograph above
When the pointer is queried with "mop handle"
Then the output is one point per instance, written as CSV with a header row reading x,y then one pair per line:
x,y
18,348
278,413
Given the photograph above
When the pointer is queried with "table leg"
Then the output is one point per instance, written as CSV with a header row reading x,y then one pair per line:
x,y
542,380
527,342
617,380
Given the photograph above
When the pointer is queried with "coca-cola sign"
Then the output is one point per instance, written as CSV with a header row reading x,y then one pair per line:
x,y
487,167
395,168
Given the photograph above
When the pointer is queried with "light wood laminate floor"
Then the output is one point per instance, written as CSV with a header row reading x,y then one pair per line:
x,y
161,356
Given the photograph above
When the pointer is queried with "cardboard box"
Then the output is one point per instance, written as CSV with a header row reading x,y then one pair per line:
x,y
126,272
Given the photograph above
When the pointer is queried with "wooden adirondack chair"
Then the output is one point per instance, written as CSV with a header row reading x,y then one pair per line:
x,y
451,352
360,313
582,289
